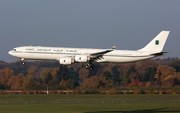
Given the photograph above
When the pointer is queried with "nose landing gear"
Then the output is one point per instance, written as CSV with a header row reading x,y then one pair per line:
x,y
23,61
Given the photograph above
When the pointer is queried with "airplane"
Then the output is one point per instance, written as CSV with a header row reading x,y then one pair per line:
x,y
67,56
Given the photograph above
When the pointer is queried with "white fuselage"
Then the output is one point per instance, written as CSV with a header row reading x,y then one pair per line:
x,y
55,53
67,56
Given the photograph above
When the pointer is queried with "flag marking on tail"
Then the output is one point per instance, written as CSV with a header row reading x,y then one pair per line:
x,y
157,42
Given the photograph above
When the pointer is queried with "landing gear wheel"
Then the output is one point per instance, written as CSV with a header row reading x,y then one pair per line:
x,y
90,66
87,66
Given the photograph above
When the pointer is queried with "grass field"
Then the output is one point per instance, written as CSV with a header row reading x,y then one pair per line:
x,y
127,103
92,108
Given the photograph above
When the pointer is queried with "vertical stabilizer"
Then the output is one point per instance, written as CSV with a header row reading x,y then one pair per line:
x,y
157,43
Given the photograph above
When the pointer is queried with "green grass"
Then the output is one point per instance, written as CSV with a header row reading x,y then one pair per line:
x,y
129,103
89,98
91,108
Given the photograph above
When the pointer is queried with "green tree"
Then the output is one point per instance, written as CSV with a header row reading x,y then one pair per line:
x,y
176,65
115,77
63,73
176,81
152,72
115,70
74,77
46,75
94,71
107,75
132,69
126,79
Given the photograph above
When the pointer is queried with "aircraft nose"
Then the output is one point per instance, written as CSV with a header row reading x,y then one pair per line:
x,y
10,52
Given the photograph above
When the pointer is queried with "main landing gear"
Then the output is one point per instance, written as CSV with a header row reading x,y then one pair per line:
x,y
90,66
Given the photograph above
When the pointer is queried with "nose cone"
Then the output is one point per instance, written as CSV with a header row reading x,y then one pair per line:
x,y
10,52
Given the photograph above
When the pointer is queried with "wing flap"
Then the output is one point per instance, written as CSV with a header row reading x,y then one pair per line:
x,y
102,52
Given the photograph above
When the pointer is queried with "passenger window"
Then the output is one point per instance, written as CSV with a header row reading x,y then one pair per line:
x,y
14,49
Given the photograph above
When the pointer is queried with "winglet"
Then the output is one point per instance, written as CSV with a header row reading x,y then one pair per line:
x,y
113,48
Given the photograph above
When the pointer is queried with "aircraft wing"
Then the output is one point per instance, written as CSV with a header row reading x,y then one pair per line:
x,y
100,54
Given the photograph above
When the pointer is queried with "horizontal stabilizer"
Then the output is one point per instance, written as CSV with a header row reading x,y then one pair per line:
x,y
159,54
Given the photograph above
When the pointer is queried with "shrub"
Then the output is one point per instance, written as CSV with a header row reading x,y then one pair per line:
x,y
91,92
174,92
150,91
112,91
51,92
102,92
77,91
27,92
68,91
35,92
169,91
139,91
161,92
24,92
125,92
59,92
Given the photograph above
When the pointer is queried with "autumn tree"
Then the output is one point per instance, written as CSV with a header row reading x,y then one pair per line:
x,y
134,82
95,69
6,77
19,81
144,69
94,82
83,74
65,84
163,72
28,82
53,83
168,81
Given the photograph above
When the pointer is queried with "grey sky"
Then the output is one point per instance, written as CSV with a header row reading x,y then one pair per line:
x,y
127,24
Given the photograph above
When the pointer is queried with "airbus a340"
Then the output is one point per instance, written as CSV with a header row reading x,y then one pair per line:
x,y
68,56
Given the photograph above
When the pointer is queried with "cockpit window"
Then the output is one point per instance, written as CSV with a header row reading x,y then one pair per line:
x,y
14,49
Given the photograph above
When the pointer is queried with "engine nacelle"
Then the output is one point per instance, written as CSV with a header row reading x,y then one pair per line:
x,y
66,61
82,58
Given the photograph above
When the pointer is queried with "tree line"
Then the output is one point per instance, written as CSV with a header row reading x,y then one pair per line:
x,y
38,75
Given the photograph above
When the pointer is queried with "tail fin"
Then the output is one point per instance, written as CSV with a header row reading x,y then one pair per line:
x,y
157,43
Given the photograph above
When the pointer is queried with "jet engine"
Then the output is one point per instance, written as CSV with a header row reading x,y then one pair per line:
x,y
66,61
82,58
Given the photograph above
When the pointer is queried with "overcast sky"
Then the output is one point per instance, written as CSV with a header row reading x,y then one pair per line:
x,y
126,24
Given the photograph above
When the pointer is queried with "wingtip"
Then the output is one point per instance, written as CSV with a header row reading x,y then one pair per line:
x,y
114,47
